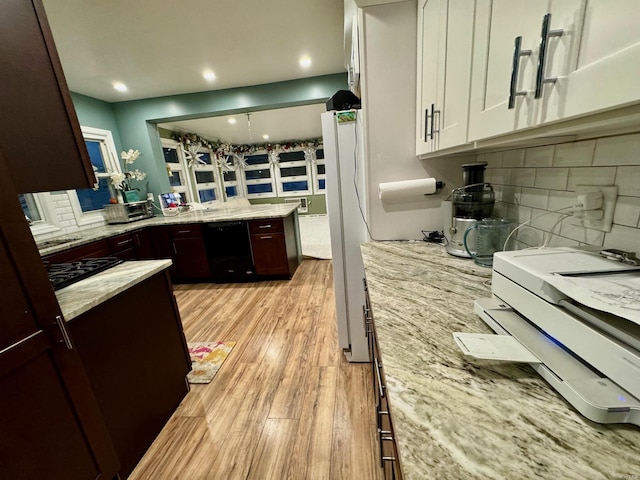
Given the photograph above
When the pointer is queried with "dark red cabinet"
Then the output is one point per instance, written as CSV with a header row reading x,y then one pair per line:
x,y
39,129
122,246
189,252
99,248
273,242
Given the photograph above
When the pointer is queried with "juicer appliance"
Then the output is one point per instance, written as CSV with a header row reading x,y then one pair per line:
x,y
470,203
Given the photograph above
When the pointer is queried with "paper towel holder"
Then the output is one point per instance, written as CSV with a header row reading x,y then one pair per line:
x,y
439,186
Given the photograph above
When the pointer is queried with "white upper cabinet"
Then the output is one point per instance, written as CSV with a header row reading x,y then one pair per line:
x,y
597,61
445,34
542,61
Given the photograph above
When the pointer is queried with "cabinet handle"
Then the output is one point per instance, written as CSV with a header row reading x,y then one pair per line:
x,y
544,40
174,248
517,53
124,242
378,376
264,226
63,330
426,124
266,237
433,122
183,231
137,240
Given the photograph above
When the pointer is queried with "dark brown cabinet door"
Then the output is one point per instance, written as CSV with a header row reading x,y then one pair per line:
x,y
270,254
39,129
189,252
50,423
143,245
122,246
99,248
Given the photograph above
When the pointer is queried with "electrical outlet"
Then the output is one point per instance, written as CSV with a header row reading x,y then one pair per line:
x,y
591,218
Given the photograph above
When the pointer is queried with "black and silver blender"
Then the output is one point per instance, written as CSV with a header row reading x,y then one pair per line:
x,y
469,203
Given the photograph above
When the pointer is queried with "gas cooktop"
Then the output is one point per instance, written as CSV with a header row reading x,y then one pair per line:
x,y
64,274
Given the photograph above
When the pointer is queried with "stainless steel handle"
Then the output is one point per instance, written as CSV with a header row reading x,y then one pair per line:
x,y
517,53
264,226
124,242
544,41
426,124
174,248
137,240
184,231
63,330
266,237
379,378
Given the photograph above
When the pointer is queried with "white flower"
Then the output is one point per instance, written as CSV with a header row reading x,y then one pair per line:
x,y
136,175
130,156
117,179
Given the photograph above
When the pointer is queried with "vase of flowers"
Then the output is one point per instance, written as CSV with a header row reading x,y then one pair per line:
x,y
122,181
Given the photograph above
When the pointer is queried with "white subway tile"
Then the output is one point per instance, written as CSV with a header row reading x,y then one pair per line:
x,y
588,236
627,211
628,181
532,237
523,177
591,176
519,214
560,241
539,156
501,209
498,176
510,194
534,197
576,154
494,160
622,150
552,178
545,220
513,158
624,238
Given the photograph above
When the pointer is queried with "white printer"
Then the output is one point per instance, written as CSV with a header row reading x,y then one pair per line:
x,y
576,312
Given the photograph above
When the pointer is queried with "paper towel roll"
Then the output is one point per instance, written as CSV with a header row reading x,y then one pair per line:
x,y
406,189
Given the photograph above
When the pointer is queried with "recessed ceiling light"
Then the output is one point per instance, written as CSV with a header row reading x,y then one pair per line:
x,y
121,87
209,75
305,61
232,121
265,136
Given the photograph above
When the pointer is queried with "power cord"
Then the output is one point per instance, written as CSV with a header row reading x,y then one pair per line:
x,y
435,237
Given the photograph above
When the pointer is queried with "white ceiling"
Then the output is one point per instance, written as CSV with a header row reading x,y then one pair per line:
x,y
162,48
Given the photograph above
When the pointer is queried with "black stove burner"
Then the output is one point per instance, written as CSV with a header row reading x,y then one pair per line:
x,y
64,274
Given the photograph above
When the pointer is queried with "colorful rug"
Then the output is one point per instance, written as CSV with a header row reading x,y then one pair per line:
x,y
206,359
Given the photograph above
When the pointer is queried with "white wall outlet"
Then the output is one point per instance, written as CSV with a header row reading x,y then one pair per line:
x,y
302,202
598,219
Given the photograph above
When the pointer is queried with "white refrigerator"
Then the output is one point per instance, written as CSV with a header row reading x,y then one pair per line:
x,y
346,205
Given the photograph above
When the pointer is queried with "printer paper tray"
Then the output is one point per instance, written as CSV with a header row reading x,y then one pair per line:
x,y
591,393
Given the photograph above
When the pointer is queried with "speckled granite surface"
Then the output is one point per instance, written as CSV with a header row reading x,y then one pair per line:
x,y
79,297
219,214
460,419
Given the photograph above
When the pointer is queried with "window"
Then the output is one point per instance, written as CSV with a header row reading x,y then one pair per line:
x,y
207,182
258,177
293,174
177,168
319,175
87,204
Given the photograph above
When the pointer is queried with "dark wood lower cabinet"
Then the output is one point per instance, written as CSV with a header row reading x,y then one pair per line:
x,y
135,355
273,242
50,422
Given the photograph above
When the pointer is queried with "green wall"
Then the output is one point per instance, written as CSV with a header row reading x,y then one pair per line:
x,y
95,113
317,203
136,120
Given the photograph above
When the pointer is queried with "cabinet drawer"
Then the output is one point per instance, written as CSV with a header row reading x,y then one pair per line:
x,y
185,231
121,243
267,225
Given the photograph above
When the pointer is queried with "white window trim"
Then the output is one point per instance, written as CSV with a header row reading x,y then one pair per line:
x,y
216,185
49,220
298,178
111,164
241,189
317,177
261,181
186,190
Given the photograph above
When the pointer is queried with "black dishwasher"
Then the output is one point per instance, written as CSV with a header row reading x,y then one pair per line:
x,y
228,249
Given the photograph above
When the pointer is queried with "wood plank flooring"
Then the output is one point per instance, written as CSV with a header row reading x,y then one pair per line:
x,y
285,404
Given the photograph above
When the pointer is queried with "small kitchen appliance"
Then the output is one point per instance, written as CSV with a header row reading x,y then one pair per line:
x,y
127,212
470,203
491,235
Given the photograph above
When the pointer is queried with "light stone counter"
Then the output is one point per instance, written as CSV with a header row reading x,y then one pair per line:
x,y
218,214
460,419
80,297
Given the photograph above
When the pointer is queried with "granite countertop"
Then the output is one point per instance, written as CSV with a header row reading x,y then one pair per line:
x,y
215,214
457,418
80,297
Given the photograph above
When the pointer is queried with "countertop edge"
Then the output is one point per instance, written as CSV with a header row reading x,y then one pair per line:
x,y
86,294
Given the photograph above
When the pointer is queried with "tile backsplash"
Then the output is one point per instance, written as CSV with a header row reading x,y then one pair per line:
x,y
537,185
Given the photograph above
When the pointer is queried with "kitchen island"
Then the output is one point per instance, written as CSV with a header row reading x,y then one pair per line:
x,y
125,325
457,418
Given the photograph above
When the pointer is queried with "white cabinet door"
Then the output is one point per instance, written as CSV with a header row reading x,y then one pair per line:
x,y
432,19
445,35
596,60
498,72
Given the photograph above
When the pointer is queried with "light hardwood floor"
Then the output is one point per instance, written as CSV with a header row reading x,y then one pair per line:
x,y
285,404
